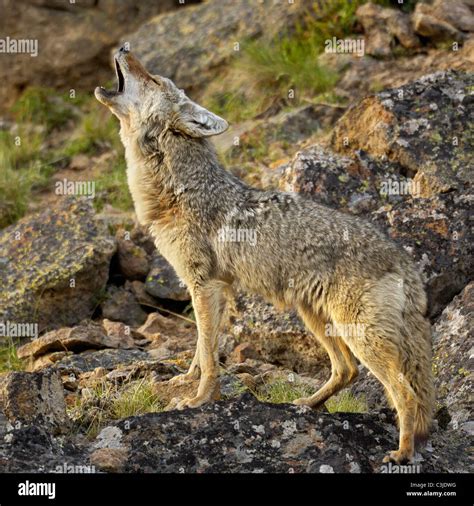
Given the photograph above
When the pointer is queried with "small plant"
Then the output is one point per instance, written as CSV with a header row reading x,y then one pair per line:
x,y
108,401
346,402
9,360
282,391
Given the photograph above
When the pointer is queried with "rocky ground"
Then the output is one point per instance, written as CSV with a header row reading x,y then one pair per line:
x,y
114,323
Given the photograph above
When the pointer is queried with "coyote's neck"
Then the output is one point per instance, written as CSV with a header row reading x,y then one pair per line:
x,y
181,182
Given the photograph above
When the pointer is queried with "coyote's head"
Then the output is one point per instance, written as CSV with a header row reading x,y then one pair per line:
x,y
148,103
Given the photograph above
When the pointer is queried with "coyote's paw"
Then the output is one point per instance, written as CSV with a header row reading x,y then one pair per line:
x,y
192,402
400,457
302,401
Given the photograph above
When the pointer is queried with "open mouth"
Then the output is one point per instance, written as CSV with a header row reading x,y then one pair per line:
x,y
120,83
121,80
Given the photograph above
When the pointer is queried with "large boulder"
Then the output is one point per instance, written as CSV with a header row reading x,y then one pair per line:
x,y
73,40
54,265
244,435
453,359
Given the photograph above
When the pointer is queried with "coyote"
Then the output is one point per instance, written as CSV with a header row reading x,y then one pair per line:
x,y
334,269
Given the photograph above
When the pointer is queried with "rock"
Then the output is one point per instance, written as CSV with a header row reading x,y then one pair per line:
x,y
76,339
121,305
87,32
33,449
332,179
120,334
132,259
108,359
195,43
137,288
427,23
35,398
453,358
277,337
109,460
157,324
242,352
244,435
421,126
382,25
458,13
58,263
163,283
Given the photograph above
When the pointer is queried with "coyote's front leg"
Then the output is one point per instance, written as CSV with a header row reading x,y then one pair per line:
x,y
208,303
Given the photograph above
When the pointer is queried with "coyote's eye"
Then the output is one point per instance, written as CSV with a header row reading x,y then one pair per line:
x,y
157,82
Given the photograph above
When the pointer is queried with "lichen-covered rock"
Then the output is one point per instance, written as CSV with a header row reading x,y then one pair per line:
x,y
453,359
163,283
424,126
334,180
53,265
35,398
244,435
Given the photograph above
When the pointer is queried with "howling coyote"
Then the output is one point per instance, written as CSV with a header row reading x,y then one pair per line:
x,y
335,269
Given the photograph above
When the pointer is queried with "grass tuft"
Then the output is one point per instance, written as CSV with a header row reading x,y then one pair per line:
x,y
346,402
9,360
108,401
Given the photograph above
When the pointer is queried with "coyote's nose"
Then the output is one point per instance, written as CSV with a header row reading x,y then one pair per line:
x,y
123,49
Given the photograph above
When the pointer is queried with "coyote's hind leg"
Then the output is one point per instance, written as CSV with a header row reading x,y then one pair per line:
x,y
343,364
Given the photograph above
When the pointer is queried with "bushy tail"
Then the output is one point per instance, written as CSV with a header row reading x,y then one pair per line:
x,y
418,369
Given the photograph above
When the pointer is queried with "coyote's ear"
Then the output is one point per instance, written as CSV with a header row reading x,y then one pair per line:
x,y
195,121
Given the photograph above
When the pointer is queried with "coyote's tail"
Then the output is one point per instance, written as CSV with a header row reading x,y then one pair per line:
x,y
418,369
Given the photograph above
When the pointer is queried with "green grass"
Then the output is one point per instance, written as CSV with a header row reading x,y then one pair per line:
x,y
112,187
346,402
9,360
282,391
97,129
108,401
264,72
44,106
23,169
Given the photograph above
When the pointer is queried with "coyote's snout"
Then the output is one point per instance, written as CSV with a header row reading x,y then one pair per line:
x,y
336,270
